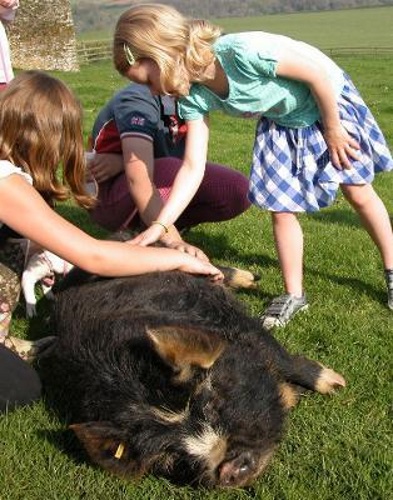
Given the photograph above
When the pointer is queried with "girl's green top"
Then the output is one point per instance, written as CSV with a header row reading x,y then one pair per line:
x,y
249,61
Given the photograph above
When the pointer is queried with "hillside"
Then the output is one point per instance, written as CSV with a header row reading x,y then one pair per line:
x,y
92,15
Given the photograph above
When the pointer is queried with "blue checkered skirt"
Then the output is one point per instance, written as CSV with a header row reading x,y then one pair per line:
x,y
291,169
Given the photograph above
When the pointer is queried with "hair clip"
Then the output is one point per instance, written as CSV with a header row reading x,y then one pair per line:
x,y
129,55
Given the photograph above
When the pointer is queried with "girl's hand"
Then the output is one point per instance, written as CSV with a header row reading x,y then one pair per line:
x,y
194,265
152,234
297,66
104,166
184,247
172,241
342,147
157,232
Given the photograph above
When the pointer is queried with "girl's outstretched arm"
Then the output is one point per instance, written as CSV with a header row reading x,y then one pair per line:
x,y
186,184
137,161
25,211
297,66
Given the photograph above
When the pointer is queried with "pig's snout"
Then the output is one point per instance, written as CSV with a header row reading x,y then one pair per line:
x,y
238,471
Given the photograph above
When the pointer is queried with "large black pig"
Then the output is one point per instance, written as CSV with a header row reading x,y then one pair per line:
x,y
168,374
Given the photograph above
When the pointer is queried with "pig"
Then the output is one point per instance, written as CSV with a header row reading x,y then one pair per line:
x,y
169,374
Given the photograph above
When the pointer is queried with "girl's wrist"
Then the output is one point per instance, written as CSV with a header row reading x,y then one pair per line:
x,y
163,226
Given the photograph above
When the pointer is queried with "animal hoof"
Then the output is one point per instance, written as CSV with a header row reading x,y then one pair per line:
x,y
328,381
30,350
239,278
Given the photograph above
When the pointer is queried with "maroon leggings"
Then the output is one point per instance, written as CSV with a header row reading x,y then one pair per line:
x,y
222,195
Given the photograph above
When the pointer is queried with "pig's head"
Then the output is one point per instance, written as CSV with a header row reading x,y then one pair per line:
x,y
222,434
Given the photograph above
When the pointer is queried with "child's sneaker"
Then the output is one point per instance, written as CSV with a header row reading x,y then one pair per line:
x,y
389,284
282,309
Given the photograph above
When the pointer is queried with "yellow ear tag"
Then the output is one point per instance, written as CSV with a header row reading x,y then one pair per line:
x,y
119,451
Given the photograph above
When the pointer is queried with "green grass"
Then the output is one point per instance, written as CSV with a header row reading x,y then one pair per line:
x,y
331,29
336,447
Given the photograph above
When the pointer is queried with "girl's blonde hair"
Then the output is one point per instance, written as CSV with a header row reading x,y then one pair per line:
x,y
40,130
181,48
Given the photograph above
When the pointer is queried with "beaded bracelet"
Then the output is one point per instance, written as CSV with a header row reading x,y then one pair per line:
x,y
160,224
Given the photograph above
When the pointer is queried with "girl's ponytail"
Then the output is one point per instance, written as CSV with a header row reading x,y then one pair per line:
x,y
199,54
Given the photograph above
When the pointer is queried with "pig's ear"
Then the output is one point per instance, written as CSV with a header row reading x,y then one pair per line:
x,y
185,348
106,448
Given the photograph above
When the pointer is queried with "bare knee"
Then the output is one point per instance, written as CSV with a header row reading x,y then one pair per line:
x,y
283,218
358,195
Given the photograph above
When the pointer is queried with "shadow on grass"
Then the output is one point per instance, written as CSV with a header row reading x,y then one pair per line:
x,y
67,443
343,216
57,403
378,295
220,246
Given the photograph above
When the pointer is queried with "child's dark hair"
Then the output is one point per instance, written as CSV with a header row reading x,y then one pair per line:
x,y
40,130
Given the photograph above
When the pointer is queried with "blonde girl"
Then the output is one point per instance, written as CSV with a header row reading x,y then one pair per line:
x,y
314,132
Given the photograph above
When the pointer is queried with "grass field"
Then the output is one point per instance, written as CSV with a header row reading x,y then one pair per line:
x,y
336,447
331,29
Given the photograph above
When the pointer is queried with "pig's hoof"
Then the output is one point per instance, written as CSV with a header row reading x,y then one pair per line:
x,y
328,381
239,278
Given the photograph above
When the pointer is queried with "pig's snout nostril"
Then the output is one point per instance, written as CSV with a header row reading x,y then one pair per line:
x,y
236,471
244,468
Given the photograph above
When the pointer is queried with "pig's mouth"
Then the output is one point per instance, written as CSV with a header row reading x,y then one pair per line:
x,y
242,469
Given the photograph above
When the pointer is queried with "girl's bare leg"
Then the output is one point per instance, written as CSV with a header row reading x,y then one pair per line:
x,y
288,237
374,217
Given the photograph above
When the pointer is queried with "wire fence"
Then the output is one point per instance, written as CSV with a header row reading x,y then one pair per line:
x,y
377,51
90,51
